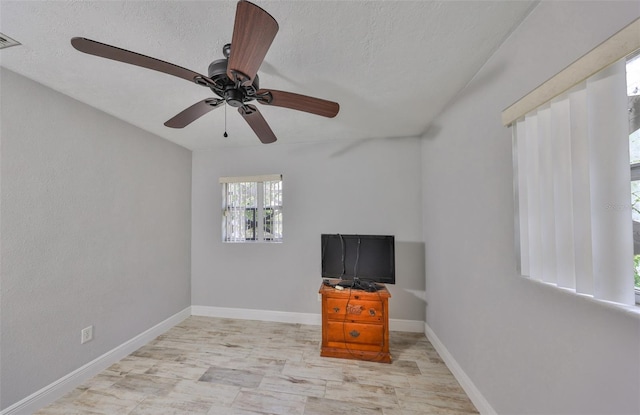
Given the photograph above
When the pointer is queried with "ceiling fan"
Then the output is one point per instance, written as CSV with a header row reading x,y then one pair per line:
x,y
233,79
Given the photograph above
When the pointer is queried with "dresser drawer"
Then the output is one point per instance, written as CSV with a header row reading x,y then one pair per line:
x,y
354,334
354,310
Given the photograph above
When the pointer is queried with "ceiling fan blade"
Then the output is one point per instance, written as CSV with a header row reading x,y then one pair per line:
x,y
194,112
111,52
253,32
299,102
257,123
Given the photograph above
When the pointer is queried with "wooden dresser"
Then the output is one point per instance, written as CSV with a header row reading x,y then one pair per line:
x,y
355,324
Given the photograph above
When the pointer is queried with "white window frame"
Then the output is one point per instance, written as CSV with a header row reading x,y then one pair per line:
x,y
274,182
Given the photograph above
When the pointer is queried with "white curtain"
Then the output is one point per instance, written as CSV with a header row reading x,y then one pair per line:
x,y
573,189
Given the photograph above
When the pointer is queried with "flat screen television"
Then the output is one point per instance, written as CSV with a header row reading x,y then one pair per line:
x,y
359,257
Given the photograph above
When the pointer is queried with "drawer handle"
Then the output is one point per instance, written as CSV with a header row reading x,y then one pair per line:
x,y
354,309
336,309
372,311
354,333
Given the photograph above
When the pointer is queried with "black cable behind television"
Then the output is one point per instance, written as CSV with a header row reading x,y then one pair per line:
x,y
368,258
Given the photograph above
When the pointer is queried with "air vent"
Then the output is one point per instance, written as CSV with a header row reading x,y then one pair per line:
x,y
6,41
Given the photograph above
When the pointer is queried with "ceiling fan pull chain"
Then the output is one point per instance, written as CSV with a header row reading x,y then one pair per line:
x,y
225,135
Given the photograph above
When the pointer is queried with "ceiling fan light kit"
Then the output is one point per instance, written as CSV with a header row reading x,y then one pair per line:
x,y
233,79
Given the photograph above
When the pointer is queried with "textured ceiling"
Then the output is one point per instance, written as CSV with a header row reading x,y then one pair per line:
x,y
392,65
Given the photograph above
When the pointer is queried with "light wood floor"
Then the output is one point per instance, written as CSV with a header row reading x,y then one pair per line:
x,y
237,367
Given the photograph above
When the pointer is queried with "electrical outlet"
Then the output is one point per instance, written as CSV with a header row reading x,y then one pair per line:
x,y
86,334
319,297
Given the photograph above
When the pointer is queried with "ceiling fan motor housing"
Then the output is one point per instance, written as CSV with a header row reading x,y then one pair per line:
x,y
234,97
225,88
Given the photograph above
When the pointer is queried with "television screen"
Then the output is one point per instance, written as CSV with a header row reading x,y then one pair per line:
x,y
364,257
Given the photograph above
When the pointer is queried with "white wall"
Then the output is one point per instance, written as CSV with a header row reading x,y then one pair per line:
x,y
365,187
527,347
95,230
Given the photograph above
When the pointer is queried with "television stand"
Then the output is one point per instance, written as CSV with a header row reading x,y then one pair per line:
x,y
355,323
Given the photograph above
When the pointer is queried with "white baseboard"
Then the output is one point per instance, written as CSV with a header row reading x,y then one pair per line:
x,y
482,405
67,383
288,317
413,326
259,315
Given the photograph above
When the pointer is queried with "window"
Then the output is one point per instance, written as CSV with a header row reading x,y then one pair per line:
x,y
573,167
252,208
633,95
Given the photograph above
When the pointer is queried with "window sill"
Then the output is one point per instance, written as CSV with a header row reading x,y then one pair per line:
x,y
633,310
